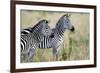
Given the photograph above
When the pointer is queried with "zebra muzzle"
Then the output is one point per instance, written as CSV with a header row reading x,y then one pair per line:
x,y
72,29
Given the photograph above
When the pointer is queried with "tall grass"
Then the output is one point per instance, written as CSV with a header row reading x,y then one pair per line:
x,y
75,46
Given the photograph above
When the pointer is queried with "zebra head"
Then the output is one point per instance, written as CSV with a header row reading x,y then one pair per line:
x,y
46,30
65,22
41,27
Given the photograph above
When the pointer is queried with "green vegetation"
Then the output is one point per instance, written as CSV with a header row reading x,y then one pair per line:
x,y
75,46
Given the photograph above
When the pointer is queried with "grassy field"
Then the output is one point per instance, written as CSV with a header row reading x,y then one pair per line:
x,y
76,45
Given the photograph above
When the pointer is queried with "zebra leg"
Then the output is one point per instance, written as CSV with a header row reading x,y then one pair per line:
x,y
56,52
24,55
54,56
57,57
31,55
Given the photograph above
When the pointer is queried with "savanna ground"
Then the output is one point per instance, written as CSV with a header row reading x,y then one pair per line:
x,y
76,45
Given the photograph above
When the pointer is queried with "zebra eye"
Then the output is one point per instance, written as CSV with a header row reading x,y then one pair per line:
x,y
67,21
46,27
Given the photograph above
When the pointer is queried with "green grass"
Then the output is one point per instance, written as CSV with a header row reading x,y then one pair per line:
x,y
76,45
77,50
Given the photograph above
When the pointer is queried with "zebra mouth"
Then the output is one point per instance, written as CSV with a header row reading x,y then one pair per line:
x,y
72,29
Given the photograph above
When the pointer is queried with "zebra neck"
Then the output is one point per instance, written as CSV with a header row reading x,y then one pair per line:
x,y
38,36
60,27
60,32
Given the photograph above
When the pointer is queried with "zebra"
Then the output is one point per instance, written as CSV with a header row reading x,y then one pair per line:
x,y
55,41
29,42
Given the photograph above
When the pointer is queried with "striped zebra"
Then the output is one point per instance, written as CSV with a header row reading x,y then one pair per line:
x,y
31,41
55,41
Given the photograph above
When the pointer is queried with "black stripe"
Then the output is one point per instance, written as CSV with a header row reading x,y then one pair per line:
x,y
23,32
23,43
30,30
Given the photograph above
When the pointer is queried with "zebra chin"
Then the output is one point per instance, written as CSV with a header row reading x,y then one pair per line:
x,y
72,29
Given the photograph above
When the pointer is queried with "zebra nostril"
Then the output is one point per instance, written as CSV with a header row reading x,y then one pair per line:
x,y
72,29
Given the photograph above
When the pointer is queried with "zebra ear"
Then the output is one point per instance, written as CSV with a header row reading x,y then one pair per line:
x,y
68,15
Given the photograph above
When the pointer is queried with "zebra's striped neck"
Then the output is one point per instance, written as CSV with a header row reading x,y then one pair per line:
x,y
60,31
38,35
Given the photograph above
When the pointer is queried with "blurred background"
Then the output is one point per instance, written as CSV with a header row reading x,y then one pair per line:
x,y
75,46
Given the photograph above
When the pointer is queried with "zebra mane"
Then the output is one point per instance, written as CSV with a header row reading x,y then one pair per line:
x,y
39,23
31,29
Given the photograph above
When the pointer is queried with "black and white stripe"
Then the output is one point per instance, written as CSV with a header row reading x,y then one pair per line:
x,y
55,40
30,41
26,31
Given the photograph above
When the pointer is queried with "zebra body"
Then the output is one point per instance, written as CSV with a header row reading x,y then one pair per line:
x,y
55,41
48,41
58,35
31,41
